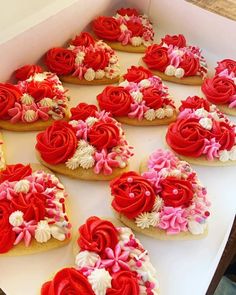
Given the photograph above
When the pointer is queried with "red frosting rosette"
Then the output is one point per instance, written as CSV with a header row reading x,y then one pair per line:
x,y
40,90
26,71
136,74
97,60
132,194
57,143
175,40
194,103
190,64
84,39
107,28
96,235
82,111
15,172
226,64
156,57
153,97
128,11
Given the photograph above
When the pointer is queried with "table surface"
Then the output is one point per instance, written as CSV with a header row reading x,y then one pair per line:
x,y
184,267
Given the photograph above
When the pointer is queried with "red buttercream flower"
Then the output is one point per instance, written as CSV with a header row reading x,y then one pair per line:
x,y
40,90
97,60
67,281
104,135
57,143
128,11
228,64
190,64
153,97
9,94
60,61
136,74
96,235
26,71
7,235
135,27
132,194
156,57
176,192
116,100
124,283
83,39
107,28
82,111
194,103
219,90
175,40
187,137
15,172
224,134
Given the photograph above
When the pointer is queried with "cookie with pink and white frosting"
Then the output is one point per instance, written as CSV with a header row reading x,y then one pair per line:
x,y
34,102
85,61
221,88
140,99
166,201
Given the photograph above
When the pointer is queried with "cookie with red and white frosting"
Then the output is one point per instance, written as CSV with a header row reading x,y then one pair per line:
x,y
166,201
110,261
34,102
86,61
221,89
202,134
33,215
127,31
175,61
91,146
141,99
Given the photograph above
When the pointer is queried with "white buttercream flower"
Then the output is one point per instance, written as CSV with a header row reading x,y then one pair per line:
x,y
26,99
224,156
39,77
137,96
100,280
42,232
99,74
196,228
160,113
144,83
113,59
72,163
46,102
86,161
150,115
158,204
30,115
79,57
123,27
91,120
58,232
232,153
146,219
82,144
169,112
206,123
86,258
201,113
89,75
179,73
16,218
175,173
136,41
125,83
73,123
170,70
22,186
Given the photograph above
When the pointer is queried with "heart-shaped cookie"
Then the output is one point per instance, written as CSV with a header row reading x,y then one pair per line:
x,y
92,146
221,89
175,61
33,215
167,201
141,99
34,102
127,31
110,261
202,134
86,61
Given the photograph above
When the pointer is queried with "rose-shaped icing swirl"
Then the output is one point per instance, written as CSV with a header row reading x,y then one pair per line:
x,y
96,235
133,194
9,94
136,74
82,111
128,11
153,97
40,90
224,134
194,103
15,172
190,64
176,192
156,57
7,235
175,40
227,64
135,27
26,71
124,283
84,39
67,281
187,137
219,90
116,100
104,135
107,28
97,60
60,61
57,143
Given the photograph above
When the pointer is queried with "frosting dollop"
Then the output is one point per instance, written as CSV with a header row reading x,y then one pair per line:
x,y
107,28
27,71
136,74
156,57
15,172
82,111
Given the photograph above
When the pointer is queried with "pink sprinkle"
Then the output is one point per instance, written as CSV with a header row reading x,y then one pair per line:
x,y
130,179
147,193
175,191
131,195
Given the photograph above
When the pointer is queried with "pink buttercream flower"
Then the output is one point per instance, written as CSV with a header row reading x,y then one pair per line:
x,y
125,37
79,72
154,178
211,149
232,101
87,270
173,220
116,259
132,87
138,110
162,159
174,57
186,113
156,82
105,162
7,190
225,73
25,232
82,130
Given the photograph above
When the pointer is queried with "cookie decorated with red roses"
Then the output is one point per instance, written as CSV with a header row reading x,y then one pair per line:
x,y
33,215
141,99
202,134
85,61
34,102
167,201
221,89
127,31
91,146
110,261
175,61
